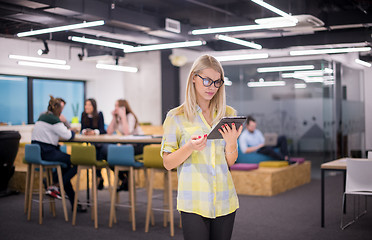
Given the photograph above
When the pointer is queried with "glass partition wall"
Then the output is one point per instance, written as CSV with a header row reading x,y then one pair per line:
x,y
302,104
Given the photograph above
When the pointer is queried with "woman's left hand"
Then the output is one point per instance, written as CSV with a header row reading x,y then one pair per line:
x,y
230,135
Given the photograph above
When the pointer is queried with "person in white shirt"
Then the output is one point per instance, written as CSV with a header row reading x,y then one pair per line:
x,y
46,133
125,122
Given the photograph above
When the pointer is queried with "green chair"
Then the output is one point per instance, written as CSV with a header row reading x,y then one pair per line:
x,y
153,161
85,158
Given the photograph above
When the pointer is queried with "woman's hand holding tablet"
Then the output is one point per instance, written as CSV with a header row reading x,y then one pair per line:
x,y
238,121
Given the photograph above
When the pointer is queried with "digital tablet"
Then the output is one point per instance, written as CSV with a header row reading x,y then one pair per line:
x,y
215,134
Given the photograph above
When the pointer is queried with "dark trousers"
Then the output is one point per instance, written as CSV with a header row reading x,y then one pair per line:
x,y
283,149
196,227
101,154
53,154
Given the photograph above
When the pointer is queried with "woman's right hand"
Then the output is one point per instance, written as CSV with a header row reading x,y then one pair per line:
x,y
114,113
198,143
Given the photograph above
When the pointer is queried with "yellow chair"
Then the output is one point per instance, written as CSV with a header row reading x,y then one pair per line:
x,y
85,158
153,161
33,159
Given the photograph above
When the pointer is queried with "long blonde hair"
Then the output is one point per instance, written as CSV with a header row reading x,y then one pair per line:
x,y
217,103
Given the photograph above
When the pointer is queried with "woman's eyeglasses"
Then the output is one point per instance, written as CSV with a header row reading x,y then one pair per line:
x,y
208,82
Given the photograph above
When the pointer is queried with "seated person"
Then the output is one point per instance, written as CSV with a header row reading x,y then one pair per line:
x,y
62,117
46,133
252,140
124,122
92,123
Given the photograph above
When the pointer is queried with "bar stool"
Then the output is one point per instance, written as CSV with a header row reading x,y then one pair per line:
x,y
33,159
122,158
153,161
85,158
28,177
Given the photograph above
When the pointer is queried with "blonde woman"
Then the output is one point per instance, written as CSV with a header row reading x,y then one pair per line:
x,y
206,194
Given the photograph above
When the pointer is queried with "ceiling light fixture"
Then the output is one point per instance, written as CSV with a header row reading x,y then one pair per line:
x,y
116,68
266,84
44,65
227,81
363,63
328,82
61,28
276,10
164,46
36,59
239,41
329,51
99,42
311,73
300,85
45,50
242,28
285,68
242,57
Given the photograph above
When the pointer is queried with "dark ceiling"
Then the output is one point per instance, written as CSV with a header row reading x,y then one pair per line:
x,y
142,22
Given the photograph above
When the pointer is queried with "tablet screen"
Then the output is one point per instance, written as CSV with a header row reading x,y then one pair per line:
x,y
215,134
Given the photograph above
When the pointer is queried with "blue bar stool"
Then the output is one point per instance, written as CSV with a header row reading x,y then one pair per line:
x,y
122,158
33,159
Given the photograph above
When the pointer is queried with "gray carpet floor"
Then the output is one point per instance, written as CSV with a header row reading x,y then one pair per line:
x,y
294,214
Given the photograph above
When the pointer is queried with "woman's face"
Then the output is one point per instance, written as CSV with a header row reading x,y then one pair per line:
x,y
116,106
203,92
88,107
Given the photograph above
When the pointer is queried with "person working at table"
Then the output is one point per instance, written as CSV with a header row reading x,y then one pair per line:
x,y
92,123
125,122
252,140
46,133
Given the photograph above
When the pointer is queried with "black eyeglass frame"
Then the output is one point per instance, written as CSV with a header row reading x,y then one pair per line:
x,y
210,81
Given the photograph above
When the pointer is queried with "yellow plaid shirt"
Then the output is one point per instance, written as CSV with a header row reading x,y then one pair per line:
x,y
205,185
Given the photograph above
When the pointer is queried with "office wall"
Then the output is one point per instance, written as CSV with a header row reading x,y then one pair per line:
x,y
103,85
368,106
346,59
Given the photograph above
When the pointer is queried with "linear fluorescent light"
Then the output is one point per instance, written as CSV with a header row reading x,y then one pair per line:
x,y
117,68
37,59
227,81
328,51
239,41
328,82
310,73
242,28
300,85
275,10
61,28
266,84
364,63
44,65
285,68
164,46
99,42
242,57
